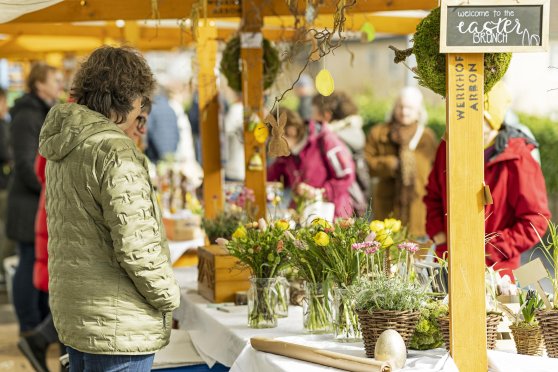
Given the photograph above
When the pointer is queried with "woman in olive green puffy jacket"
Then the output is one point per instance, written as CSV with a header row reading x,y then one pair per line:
x,y
112,289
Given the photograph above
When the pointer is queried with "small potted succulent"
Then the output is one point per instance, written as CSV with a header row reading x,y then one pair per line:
x,y
526,330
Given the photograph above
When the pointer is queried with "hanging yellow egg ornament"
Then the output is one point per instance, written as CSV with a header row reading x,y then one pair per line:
x,y
261,132
324,83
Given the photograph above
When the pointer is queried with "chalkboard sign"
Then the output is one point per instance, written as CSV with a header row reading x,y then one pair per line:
x,y
489,26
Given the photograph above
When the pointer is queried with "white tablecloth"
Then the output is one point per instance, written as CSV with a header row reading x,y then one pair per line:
x,y
224,337
177,249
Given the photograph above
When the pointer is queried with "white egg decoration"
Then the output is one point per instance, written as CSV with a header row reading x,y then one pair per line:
x,y
391,347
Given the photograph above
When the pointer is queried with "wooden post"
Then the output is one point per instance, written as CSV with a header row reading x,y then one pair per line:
x,y
465,175
131,33
252,95
206,48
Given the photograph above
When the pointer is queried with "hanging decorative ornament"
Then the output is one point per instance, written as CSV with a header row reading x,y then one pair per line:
x,y
261,132
368,32
256,162
324,83
278,145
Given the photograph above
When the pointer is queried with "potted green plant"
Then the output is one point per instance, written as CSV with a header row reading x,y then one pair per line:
x,y
548,318
427,333
383,303
526,330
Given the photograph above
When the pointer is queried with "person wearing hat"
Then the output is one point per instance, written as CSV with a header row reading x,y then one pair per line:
x,y
519,211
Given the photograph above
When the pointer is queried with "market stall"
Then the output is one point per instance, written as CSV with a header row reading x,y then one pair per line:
x,y
467,315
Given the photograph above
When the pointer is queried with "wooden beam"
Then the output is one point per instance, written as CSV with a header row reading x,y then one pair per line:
x,y
209,121
252,98
465,176
104,10
382,23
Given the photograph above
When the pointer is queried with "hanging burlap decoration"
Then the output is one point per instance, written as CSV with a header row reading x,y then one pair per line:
x,y
278,145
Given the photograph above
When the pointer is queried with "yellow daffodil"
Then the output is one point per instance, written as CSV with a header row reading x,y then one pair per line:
x,y
282,224
321,222
377,226
239,233
392,224
321,239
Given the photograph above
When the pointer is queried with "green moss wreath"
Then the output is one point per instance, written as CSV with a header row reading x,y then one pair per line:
x,y
230,64
431,64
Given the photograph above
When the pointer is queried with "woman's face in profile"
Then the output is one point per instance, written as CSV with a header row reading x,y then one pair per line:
x,y
131,119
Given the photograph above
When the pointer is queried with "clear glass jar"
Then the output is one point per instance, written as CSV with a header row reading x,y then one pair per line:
x,y
262,303
346,327
283,297
316,310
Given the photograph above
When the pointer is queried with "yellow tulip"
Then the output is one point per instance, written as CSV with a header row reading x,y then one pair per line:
x,y
392,224
321,239
282,224
322,223
239,233
388,242
377,226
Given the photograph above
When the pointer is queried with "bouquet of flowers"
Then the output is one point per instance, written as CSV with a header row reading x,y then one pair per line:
x,y
261,247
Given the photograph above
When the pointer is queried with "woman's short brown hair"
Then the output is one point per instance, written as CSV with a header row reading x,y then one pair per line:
x,y
294,120
111,79
39,73
339,104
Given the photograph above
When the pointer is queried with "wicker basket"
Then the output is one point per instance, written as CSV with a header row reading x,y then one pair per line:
x,y
548,321
373,324
528,338
492,322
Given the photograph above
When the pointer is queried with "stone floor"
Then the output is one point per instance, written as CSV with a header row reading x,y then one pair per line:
x,y
10,358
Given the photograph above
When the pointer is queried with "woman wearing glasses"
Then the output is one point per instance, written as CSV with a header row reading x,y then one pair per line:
x,y
112,289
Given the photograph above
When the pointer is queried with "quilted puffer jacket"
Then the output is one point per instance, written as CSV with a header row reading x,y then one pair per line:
x,y
112,289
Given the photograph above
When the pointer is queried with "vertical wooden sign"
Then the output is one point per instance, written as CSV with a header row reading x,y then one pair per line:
x,y
465,175
252,95
209,121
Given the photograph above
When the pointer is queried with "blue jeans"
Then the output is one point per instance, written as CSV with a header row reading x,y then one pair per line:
x,y
31,305
85,362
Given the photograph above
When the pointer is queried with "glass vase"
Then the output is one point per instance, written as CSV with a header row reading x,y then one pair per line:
x,y
346,327
262,303
283,296
316,310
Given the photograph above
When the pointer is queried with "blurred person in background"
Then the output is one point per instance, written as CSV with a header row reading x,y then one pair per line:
x,y
234,140
7,247
318,160
520,205
304,90
400,155
111,286
162,129
341,115
28,115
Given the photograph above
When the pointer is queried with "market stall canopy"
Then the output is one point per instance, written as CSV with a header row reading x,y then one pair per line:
x,y
12,9
91,10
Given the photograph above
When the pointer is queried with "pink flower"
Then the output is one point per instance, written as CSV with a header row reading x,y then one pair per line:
x,y
368,247
409,247
280,246
222,242
371,237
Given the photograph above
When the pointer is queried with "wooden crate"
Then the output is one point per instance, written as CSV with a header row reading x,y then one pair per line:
x,y
183,229
219,275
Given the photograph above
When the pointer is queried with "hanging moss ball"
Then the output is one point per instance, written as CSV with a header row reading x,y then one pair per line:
x,y
431,64
230,64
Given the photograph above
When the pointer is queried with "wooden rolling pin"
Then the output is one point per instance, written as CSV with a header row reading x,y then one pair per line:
x,y
318,356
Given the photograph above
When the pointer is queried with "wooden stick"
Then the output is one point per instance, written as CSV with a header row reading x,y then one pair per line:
x,y
322,357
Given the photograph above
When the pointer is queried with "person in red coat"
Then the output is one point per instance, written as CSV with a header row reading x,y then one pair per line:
x,y
520,209
318,160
